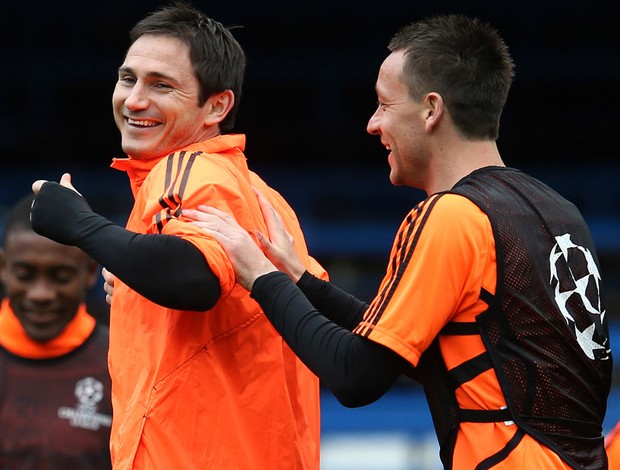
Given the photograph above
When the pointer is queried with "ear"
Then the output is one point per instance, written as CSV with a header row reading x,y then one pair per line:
x,y
434,110
218,106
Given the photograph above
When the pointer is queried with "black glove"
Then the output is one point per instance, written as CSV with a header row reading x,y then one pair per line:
x,y
63,215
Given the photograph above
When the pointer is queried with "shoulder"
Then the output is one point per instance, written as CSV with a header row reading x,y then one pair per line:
x,y
183,174
448,225
449,211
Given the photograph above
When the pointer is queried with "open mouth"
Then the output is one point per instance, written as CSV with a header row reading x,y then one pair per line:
x,y
41,318
141,123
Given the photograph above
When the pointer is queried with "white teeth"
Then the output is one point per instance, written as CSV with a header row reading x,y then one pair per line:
x,y
141,123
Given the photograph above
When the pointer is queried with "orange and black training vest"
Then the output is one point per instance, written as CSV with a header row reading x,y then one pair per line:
x,y
545,331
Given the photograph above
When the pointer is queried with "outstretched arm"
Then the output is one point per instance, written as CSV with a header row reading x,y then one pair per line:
x,y
357,370
278,246
165,269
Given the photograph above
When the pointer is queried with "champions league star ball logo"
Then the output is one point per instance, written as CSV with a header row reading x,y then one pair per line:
x,y
576,282
89,391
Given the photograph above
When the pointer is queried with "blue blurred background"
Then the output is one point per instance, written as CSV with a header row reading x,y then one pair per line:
x,y
309,92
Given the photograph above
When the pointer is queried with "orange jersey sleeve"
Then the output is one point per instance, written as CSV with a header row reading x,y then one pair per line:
x,y
443,256
439,263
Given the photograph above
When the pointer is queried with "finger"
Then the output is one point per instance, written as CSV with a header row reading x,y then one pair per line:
x,y
108,289
108,299
222,217
219,228
216,212
203,220
275,225
267,209
268,247
195,215
263,241
221,238
108,277
269,213
203,213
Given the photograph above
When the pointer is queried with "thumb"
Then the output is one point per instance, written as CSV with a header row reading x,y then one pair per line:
x,y
263,240
266,245
65,181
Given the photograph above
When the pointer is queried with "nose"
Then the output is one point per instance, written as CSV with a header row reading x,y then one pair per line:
x,y
373,123
41,290
137,98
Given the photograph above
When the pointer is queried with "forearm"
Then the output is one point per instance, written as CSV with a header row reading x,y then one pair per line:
x,y
165,269
337,305
358,371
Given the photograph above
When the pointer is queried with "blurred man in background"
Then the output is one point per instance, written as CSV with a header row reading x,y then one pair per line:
x,y
55,407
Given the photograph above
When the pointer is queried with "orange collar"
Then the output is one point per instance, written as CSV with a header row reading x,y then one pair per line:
x,y
13,337
138,170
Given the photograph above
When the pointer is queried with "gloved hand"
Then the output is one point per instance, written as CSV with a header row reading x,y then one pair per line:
x,y
60,213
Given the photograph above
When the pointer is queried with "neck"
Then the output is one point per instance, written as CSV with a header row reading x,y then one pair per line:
x,y
454,162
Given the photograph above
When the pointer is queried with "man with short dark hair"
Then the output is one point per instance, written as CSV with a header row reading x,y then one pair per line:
x,y
201,379
493,297
55,405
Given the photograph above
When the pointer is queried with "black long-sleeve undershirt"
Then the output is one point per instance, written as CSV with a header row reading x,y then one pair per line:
x,y
165,269
337,305
357,370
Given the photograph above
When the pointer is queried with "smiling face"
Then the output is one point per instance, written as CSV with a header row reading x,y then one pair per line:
x,y
44,281
400,122
155,100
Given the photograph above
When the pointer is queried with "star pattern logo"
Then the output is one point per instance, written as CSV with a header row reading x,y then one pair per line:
x,y
576,280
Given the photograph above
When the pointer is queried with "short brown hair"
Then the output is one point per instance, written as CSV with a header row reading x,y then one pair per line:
x,y
217,57
466,62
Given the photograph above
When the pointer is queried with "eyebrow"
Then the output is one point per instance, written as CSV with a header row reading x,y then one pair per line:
x,y
129,70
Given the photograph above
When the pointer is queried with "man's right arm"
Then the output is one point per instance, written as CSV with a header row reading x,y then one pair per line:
x,y
165,269
337,305
356,369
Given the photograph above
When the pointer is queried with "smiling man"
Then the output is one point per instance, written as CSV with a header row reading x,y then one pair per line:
x,y
492,298
55,403
201,379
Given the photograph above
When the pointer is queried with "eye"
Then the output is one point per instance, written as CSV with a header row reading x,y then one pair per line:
x,y
24,277
23,274
62,276
162,86
128,79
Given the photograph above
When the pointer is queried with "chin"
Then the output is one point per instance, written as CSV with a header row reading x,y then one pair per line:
x,y
137,153
394,179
